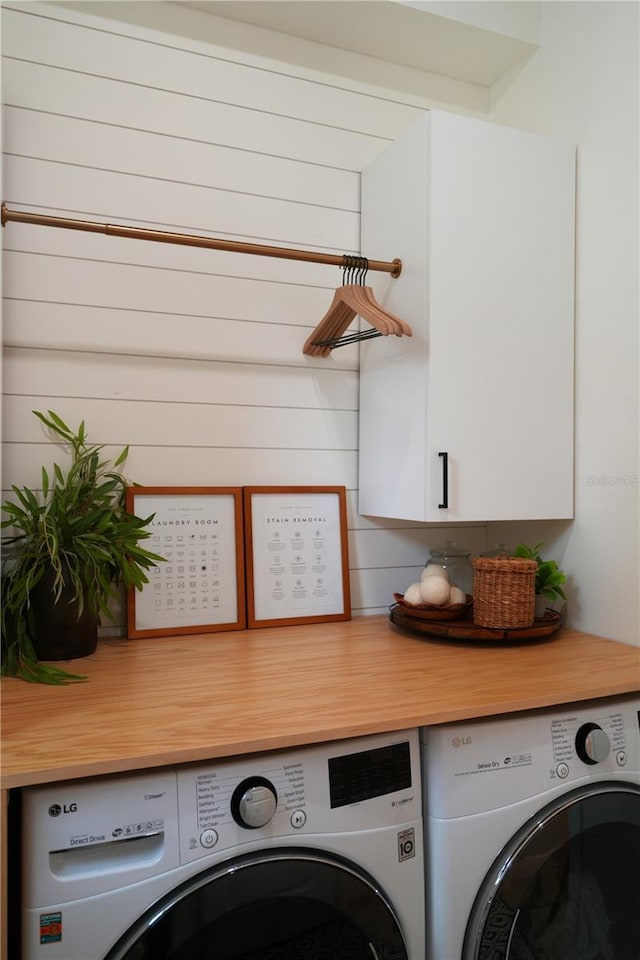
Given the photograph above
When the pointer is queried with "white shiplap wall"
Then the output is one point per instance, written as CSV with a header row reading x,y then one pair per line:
x,y
192,357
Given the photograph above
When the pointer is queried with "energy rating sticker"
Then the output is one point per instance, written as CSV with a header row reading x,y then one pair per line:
x,y
50,927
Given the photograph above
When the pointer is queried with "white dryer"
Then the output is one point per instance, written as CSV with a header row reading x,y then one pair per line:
x,y
532,834
310,852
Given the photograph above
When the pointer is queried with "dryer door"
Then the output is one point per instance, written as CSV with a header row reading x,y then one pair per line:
x,y
567,887
273,905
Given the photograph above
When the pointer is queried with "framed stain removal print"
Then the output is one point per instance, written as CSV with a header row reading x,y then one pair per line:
x,y
199,587
297,555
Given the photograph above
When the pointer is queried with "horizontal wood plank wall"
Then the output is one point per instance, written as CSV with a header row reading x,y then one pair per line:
x,y
192,357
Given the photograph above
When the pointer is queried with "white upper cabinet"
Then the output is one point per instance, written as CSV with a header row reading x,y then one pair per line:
x,y
482,217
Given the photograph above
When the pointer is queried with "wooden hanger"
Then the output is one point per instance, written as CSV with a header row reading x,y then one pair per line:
x,y
351,300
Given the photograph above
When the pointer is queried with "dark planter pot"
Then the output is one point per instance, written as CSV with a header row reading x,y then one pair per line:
x,y
59,634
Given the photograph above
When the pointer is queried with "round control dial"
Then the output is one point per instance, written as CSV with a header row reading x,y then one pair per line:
x,y
254,802
592,743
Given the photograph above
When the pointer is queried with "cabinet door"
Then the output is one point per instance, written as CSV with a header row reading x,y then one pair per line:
x,y
488,236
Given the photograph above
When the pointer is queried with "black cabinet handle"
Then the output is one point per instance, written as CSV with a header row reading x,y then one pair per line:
x,y
445,480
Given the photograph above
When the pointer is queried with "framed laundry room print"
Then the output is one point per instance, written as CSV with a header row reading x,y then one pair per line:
x,y
199,586
297,555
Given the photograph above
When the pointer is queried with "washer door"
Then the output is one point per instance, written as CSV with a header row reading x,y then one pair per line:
x,y
567,887
273,905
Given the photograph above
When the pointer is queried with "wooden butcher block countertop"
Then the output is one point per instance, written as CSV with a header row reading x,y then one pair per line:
x,y
163,701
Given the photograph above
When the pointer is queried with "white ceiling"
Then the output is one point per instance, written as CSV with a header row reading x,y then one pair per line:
x,y
396,32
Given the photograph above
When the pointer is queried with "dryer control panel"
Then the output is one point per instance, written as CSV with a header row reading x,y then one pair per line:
x,y
477,766
577,741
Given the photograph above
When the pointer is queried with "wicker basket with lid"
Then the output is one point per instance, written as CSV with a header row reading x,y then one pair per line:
x,y
504,591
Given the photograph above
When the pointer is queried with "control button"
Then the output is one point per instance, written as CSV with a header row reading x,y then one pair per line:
x,y
562,770
298,819
592,743
621,758
254,802
257,806
208,839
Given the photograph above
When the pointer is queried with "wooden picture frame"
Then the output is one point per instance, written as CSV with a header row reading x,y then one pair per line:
x,y
297,555
200,587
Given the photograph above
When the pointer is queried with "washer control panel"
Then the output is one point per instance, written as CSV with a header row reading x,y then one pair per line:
x,y
86,837
351,785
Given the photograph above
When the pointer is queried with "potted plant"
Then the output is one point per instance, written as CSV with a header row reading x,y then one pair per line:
x,y
549,577
68,549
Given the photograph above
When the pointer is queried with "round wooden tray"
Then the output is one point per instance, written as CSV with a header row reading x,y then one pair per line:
x,y
465,629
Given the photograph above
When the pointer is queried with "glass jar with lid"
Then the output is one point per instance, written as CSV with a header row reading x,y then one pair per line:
x,y
457,562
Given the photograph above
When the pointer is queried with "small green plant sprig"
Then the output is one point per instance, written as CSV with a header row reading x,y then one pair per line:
x,y
77,527
549,576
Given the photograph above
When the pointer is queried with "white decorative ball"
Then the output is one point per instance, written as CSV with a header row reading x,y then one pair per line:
x,y
457,595
435,590
434,570
412,594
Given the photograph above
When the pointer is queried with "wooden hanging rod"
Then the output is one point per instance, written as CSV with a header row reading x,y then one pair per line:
x,y
162,236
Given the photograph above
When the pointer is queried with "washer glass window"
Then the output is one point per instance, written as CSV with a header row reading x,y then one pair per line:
x,y
281,905
568,885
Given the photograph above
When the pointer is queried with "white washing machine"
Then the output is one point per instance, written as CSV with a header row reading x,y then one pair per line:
x,y
310,852
532,827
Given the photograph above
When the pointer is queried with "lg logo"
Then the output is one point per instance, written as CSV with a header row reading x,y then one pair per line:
x,y
461,741
55,809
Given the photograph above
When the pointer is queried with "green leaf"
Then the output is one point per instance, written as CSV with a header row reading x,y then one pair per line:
x,y
59,423
33,671
123,456
56,424
27,498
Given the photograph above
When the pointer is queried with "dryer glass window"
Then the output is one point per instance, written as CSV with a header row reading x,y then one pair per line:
x,y
568,887
274,906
